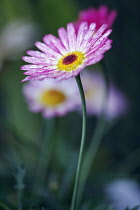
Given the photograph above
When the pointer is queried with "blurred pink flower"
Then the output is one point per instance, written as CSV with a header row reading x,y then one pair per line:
x,y
51,97
113,103
123,193
99,16
116,103
66,56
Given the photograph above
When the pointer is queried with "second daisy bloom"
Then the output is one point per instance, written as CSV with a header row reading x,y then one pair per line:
x,y
111,102
100,16
66,56
50,97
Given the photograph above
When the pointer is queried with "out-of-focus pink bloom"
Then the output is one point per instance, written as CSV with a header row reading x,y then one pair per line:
x,y
123,193
66,56
99,16
95,91
50,97
116,103
113,103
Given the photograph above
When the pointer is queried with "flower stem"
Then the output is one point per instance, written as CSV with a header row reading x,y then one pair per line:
x,y
19,176
90,155
74,197
19,193
94,145
49,139
4,207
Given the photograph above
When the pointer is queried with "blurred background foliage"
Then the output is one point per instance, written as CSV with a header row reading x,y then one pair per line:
x,y
49,182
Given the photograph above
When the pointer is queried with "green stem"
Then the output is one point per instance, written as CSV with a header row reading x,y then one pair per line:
x,y
4,206
19,199
45,154
19,177
74,197
90,155
95,141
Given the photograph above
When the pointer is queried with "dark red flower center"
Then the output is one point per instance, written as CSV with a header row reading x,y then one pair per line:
x,y
69,59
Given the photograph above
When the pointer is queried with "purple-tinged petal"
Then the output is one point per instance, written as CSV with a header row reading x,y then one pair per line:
x,y
26,79
71,36
99,33
103,11
34,60
44,48
87,38
99,16
111,17
28,67
36,54
105,35
54,43
94,60
81,33
98,44
63,37
88,48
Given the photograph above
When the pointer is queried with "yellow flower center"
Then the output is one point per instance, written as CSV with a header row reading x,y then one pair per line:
x,y
70,61
52,97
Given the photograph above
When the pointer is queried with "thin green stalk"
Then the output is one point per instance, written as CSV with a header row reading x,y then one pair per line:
x,y
19,194
19,176
45,154
4,206
90,155
74,197
95,141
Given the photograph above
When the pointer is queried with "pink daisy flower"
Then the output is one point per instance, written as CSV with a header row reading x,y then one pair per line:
x,y
117,104
99,16
50,97
112,103
66,56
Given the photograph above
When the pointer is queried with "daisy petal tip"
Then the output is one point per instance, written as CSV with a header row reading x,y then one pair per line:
x,y
21,68
24,80
61,29
24,58
92,26
109,31
85,24
26,73
29,51
110,41
70,24
103,27
46,37
37,43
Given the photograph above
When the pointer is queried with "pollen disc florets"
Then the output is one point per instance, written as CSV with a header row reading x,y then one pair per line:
x,y
70,61
52,97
